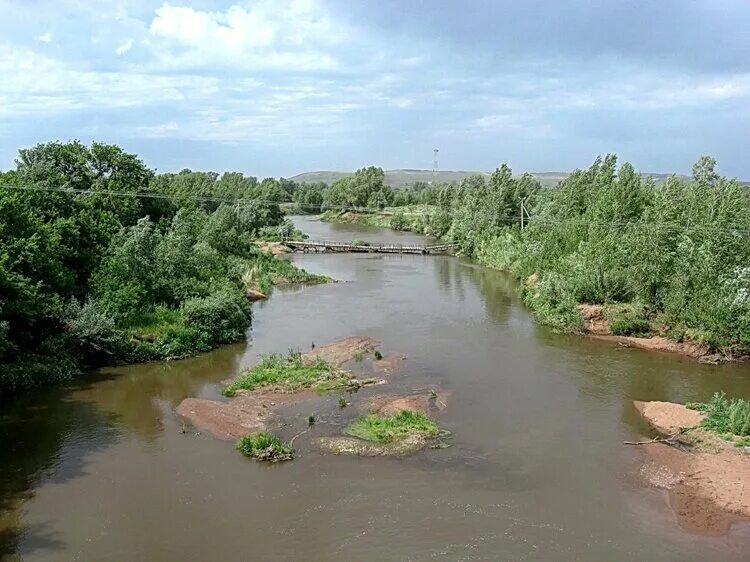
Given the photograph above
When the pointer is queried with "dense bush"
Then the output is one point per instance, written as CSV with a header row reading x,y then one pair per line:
x,y
224,315
399,222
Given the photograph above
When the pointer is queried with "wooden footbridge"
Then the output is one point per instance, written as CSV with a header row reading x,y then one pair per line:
x,y
367,247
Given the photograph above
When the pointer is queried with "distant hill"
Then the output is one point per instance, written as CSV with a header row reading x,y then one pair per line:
x,y
394,178
407,177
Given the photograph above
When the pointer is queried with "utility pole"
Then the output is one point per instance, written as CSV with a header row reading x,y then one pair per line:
x,y
523,209
434,165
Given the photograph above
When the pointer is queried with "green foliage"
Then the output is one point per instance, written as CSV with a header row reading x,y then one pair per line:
x,y
105,276
224,315
554,303
725,415
289,372
308,197
399,222
94,331
364,189
377,354
629,323
263,446
264,271
606,235
386,429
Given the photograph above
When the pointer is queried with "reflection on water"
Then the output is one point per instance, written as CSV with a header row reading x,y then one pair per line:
x,y
101,469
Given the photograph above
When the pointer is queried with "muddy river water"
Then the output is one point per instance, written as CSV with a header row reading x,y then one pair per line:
x,y
103,468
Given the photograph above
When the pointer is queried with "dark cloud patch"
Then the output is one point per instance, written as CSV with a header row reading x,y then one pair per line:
x,y
702,36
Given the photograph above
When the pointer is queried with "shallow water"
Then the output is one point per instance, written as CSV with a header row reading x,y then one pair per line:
x,y
101,469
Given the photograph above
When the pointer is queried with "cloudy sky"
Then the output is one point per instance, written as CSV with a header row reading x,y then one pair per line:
x,y
277,87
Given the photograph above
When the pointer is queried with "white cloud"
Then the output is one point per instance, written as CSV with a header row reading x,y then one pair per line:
x,y
44,85
45,38
124,47
287,34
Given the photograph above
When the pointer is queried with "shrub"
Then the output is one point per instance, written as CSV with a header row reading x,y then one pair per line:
x,y
399,222
725,415
33,369
94,329
553,303
224,315
263,446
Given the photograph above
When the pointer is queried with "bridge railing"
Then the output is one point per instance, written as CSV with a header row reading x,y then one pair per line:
x,y
337,244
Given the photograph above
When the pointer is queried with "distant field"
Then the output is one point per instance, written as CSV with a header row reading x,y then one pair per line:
x,y
406,178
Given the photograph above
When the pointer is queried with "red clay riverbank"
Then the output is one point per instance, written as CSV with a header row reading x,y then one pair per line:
x,y
596,326
707,479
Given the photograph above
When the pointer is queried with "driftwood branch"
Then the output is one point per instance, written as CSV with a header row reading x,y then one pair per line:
x,y
291,441
669,439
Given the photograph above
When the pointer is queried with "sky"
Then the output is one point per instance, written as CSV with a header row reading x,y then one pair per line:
x,y
278,87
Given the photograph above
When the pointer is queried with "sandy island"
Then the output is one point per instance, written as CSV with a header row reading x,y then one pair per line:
x,y
249,412
430,403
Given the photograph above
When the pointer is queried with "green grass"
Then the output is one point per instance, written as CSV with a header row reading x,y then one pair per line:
x,y
267,270
153,323
288,372
725,415
386,429
265,447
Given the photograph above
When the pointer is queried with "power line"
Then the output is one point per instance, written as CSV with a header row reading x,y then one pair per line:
x,y
179,197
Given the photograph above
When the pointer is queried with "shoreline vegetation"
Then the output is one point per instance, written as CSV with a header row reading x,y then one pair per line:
x,y
668,264
103,261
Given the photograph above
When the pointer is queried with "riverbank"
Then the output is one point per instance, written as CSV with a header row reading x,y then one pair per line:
x,y
161,333
410,218
622,324
706,477
598,321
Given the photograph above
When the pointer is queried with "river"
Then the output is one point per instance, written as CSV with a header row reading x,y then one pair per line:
x,y
103,469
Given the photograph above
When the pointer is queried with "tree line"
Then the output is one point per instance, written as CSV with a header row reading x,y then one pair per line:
x,y
104,261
